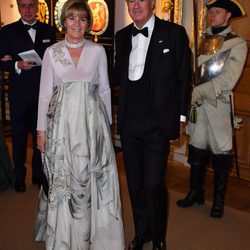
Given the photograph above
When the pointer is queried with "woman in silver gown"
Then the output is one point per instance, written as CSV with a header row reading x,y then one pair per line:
x,y
82,209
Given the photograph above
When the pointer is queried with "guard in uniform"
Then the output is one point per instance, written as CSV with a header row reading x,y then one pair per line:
x,y
222,55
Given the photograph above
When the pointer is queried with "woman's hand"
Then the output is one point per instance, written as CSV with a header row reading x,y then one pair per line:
x,y
6,58
40,140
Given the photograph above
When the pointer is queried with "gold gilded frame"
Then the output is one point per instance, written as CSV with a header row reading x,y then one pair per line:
x,y
43,12
170,10
57,14
201,21
178,8
100,14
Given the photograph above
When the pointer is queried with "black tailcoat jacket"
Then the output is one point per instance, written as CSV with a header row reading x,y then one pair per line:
x,y
15,39
170,67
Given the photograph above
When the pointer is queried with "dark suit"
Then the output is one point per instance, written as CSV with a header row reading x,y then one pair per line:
x,y
145,135
24,90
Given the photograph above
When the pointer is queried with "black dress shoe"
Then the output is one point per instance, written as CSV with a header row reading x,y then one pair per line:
x,y
159,246
136,244
191,198
20,187
217,212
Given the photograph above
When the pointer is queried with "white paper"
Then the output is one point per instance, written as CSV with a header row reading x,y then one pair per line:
x,y
31,56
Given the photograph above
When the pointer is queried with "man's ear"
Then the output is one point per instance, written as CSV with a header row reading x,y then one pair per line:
x,y
229,14
153,4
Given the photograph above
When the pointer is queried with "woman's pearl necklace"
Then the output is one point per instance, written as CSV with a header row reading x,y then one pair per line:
x,y
74,45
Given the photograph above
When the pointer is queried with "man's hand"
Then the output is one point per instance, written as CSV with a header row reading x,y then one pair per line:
x,y
196,96
182,128
25,65
40,140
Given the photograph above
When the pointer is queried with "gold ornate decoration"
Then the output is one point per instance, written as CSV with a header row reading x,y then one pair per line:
x,y
100,14
57,14
201,22
201,18
99,11
43,12
178,7
166,8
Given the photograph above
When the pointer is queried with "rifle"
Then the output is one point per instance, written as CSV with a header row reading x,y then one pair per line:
x,y
234,139
195,75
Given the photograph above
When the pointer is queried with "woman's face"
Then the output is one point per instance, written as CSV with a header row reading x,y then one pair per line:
x,y
76,24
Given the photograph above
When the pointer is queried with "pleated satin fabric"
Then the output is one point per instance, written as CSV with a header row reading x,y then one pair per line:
x,y
83,210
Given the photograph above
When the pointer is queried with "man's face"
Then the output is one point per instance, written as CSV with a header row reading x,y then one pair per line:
x,y
28,10
140,11
218,17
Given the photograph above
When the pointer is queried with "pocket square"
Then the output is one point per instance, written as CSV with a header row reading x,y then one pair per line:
x,y
46,40
165,51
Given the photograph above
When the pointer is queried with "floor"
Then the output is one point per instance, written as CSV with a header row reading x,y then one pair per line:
x,y
233,228
238,192
177,180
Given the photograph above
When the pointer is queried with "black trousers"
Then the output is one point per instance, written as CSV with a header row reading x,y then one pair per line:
x,y
24,120
146,151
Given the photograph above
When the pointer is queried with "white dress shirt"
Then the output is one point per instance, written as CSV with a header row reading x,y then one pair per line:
x,y
32,32
139,50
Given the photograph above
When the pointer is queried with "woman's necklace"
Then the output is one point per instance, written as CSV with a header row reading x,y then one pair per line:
x,y
74,45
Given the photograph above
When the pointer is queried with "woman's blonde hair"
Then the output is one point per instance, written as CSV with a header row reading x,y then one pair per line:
x,y
79,6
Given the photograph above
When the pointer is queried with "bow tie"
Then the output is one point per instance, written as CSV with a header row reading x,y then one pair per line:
x,y
27,26
143,31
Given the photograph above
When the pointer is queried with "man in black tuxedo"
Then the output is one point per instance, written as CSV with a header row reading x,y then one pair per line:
x,y
152,66
23,35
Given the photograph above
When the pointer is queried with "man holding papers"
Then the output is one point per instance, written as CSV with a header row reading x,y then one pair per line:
x,y
32,37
